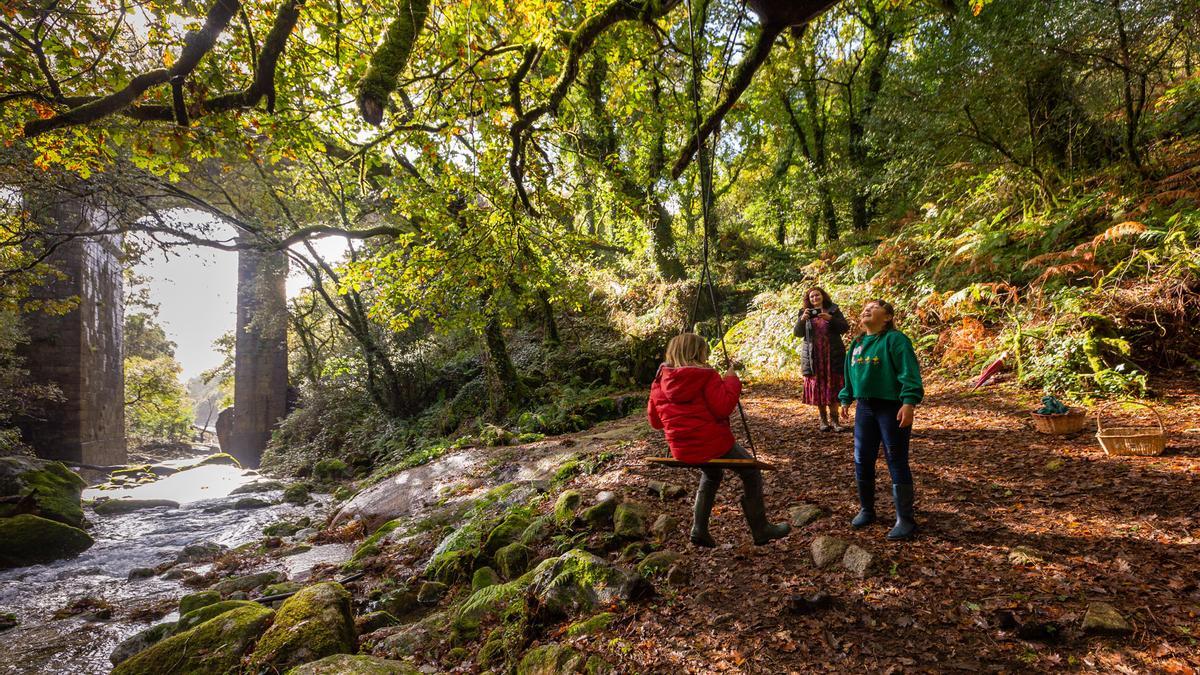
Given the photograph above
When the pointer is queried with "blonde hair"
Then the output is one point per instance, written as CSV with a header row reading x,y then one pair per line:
x,y
687,349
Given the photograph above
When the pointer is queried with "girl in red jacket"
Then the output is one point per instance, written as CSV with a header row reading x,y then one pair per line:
x,y
692,404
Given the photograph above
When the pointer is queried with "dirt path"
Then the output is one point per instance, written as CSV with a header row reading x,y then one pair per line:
x,y
1119,530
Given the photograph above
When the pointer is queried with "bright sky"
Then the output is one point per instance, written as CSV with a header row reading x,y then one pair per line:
x,y
196,291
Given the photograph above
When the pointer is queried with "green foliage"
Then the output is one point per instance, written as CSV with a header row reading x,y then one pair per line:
x,y
157,407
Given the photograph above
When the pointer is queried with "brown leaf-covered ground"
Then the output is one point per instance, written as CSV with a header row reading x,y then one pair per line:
x,y
1122,530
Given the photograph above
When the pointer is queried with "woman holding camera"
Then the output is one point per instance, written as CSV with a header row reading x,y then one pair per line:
x,y
822,355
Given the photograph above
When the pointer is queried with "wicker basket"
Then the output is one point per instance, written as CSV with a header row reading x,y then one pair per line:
x,y
1131,441
1067,423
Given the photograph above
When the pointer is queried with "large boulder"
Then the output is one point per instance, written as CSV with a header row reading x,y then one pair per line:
x,y
578,581
141,641
314,623
225,428
42,488
197,616
508,531
214,647
30,540
345,664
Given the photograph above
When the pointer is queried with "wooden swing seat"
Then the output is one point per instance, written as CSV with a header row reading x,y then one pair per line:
x,y
714,463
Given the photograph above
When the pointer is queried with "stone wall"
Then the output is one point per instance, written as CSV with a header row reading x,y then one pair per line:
x,y
260,353
80,351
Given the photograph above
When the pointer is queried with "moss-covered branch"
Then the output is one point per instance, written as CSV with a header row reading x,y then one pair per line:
x,y
390,58
775,15
88,109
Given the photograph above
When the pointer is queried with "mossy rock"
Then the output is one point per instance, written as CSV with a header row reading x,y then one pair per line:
x,y
30,540
314,623
629,520
282,588
452,566
417,639
454,557
249,582
357,664
343,493
219,459
194,601
197,616
591,625
285,528
513,560
297,493
373,621
431,592
492,652
115,507
539,530
330,469
214,647
600,516
258,486
484,577
373,544
398,602
578,581
566,506
657,562
568,470
131,471
141,641
509,530
52,488
246,503
551,660
488,603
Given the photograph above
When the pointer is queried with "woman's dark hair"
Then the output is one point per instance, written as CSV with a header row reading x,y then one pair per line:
x,y
887,307
826,301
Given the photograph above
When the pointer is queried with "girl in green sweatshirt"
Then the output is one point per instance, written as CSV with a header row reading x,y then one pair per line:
x,y
883,379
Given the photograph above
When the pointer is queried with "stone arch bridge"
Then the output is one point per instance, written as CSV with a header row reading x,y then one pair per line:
x,y
82,351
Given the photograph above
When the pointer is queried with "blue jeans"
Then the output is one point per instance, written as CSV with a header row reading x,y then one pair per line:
x,y
874,423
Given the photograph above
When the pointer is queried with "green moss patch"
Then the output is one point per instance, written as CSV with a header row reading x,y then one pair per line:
x,y
199,615
195,601
591,625
361,664
215,646
314,623
51,486
373,544
30,540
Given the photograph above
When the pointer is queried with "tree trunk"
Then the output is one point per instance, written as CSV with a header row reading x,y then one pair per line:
x,y
504,386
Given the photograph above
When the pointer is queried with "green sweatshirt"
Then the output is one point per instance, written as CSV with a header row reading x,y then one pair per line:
x,y
882,366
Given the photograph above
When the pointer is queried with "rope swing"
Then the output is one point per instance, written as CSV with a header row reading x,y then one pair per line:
x,y
705,166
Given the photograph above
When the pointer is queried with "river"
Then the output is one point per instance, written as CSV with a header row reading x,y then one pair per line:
x,y
147,538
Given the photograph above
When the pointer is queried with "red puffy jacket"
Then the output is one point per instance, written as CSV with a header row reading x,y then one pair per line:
x,y
692,404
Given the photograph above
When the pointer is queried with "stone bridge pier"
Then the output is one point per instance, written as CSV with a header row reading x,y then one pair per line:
x,y
260,379
79,351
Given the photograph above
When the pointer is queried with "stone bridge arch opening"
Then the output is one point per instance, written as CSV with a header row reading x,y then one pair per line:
x,y
82,350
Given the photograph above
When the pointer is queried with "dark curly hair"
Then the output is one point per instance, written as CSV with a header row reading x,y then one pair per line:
x,y
826,301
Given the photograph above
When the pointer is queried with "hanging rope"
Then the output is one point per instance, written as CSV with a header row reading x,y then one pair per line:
x,y
705,165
